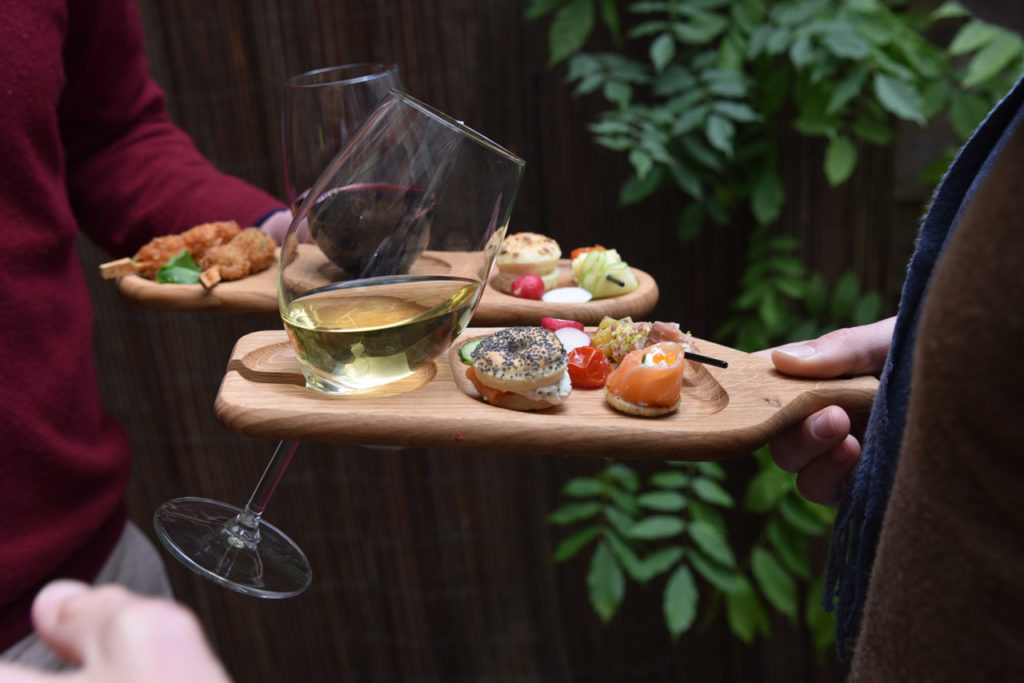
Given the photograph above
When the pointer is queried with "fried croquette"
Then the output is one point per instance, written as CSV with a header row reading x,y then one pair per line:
x,y
250,251
208,235
158,251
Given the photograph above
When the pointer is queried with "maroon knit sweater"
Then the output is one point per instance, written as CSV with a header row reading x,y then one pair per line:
x,y
85,143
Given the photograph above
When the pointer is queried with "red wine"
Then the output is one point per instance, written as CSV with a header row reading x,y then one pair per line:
x,y
371,229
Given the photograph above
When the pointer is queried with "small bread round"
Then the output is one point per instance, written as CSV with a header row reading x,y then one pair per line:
x,y
503,281
520,359
630,408
528,252
520,402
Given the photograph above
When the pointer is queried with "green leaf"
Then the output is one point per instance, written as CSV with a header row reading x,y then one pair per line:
x,y
619,520
820,623
662,560
663,501
720,132
700,29
794,510
992,59
711,469
538,8
966,112
768,197
605,582
840,159
722,578
686,179
624,475
610,17
628,559
657,526
570,29
791,545
766,489
180,269
712,492
570,546
737,111
636,188
972,36
745,612
707,514
713,542
641,162
574,512
662,51
846,44
680,601
844,295
774,581
624,500
899,97
670,479
618,92
583,487
867,309
848,88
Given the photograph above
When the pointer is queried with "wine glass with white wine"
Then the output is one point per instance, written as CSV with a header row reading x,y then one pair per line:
x,y
382,267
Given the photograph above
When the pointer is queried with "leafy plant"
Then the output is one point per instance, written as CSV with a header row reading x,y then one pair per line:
x,y
699,95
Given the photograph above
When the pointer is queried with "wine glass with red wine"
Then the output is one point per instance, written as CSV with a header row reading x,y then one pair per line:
x,y
320,110
381,269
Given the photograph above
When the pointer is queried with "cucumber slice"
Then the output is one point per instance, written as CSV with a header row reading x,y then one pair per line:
x,y
466,350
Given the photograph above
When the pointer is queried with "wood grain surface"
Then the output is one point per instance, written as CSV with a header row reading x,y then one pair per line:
x,y
724,412
258,294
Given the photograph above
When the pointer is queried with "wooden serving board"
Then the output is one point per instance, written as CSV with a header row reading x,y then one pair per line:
x,y
258,294
724,412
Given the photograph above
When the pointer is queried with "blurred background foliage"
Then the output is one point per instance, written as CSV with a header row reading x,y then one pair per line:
x,y
699,95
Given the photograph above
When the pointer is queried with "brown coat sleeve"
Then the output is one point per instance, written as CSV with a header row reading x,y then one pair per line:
x,y
946,597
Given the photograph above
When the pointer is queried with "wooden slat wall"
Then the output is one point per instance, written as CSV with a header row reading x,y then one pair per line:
x,y
434,566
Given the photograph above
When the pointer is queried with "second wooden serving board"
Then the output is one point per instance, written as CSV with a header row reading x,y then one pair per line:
x,y
724,413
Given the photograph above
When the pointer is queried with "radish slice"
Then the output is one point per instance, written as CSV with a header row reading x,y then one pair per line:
x,y
554,324
567,295
572,338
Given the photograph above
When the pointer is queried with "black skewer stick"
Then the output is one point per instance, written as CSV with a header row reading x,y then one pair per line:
x,y
616,280
689,355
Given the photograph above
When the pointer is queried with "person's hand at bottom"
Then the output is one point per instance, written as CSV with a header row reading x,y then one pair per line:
x,y
824,448
115,636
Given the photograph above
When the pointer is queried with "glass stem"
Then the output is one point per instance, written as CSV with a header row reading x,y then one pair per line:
x,y
245,527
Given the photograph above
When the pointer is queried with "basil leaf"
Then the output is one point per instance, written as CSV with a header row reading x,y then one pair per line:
x,y
179,270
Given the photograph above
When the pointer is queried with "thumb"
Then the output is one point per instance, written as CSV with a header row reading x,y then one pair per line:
x,y
849,351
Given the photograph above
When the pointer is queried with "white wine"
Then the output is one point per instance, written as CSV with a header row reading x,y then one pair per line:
x,y
361,334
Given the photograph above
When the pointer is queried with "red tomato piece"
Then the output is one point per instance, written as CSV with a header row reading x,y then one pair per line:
x,y
583,250
588,367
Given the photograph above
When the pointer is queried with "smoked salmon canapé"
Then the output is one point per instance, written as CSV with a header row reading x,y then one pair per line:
x,y
648,381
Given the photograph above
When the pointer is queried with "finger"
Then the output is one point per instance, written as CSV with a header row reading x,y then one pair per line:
x,y
795,448
824,479
849,351
70,617
14,673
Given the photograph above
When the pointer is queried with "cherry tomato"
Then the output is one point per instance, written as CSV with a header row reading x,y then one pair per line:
x,y
588,367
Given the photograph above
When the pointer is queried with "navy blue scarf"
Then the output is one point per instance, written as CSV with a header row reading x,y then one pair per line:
x,y
859,521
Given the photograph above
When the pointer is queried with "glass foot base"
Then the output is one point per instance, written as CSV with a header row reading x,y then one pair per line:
x,y
197,532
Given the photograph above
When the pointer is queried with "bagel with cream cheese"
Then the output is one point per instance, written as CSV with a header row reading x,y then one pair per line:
x,y
522,368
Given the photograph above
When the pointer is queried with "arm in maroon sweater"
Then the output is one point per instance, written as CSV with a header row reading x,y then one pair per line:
x,y
131,173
